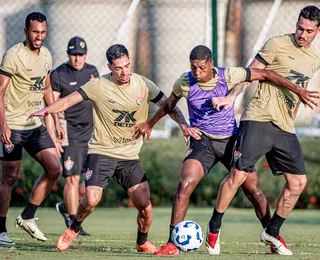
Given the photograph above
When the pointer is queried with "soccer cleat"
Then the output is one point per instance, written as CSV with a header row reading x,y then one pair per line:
x,y
65,240
5,240
61,208
280,247
83,233
147,247
168,249
213,242
31,227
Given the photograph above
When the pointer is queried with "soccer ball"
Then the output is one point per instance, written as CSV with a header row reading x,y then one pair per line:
x,y
187,236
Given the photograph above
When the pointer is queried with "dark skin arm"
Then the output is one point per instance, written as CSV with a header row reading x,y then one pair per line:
x,y
167,106
304,95
5,132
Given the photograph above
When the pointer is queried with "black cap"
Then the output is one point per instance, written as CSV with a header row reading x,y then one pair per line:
x,y
77,45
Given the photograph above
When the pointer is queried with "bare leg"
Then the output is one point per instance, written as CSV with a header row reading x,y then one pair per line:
x,y
192,172
49,160
10,171
228,188
251,189
82,190
71,193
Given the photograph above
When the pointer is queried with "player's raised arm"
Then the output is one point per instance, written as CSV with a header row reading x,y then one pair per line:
x,y
59,105
305,96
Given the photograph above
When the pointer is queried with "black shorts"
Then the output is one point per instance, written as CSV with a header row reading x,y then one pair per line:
x,y
34,141
73,160
127,173
282,149
210,151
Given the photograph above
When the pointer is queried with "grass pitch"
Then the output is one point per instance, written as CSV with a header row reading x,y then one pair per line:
x,y
113,234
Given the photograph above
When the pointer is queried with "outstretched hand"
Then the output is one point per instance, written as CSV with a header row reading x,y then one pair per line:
x,y
307,97
42,112
141,130
220,102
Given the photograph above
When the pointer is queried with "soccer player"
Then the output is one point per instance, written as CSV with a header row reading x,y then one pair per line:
x,y
24,86
267,126
77,120
219,132
120,101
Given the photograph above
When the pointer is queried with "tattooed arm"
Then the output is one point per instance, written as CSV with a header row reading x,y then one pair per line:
x,y
167,106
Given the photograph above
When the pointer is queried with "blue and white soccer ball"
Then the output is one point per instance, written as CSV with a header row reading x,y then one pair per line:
x,y
187,236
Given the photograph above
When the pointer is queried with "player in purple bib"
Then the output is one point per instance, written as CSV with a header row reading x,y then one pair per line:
x,y
219,132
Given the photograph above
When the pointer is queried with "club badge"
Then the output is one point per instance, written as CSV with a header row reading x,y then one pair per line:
x,y
236,155
313,68
188,152
88,174
46,66
9,148
68,164
139,101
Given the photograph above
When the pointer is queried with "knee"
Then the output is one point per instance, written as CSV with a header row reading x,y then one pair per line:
x,y
9,178
73,180
298,184
233,181
185,188
55,172
92,201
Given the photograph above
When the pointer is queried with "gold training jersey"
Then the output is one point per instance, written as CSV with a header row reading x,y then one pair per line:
x,y
116,110
24,95
274,103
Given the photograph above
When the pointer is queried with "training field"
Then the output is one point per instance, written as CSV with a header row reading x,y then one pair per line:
x,y
113,233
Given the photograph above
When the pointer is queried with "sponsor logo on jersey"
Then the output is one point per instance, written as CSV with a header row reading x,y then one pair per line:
x,y
313,68
73,83
139,101
68,164
9,148
88,174
111,101
188,153
236,155
123,140
34,103
125,119
46,66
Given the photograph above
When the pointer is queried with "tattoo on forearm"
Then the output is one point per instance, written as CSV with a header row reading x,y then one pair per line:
x,y
177,116
288,204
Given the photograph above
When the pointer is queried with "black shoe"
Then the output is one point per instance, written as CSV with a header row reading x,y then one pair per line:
x,y
83,233
61,208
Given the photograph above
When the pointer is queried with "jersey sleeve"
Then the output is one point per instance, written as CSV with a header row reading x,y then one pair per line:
x,y
95,72
50,62
91,89
8,65
235,75
268,52
181,87
154,90
54,80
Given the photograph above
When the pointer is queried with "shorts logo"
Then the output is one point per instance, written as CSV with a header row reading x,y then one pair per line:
x,y
88,174
188,152
139,101
236,155
68,164
9,148
313,67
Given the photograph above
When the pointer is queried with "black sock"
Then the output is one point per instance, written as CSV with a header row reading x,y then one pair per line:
x,y
265,220
76,225
29,211
3,224
215,222
142,237
273,228
170,232
72,217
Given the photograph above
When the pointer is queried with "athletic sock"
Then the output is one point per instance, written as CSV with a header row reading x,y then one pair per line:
x,y
76,225
72,217
215,221
29,211
141,237
3,224
170,232
273,228
264,220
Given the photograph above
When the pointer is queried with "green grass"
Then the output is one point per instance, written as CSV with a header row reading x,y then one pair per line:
x,y
113,233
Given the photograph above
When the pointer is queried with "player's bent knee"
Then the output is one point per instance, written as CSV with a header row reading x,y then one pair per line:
x,y
10,178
